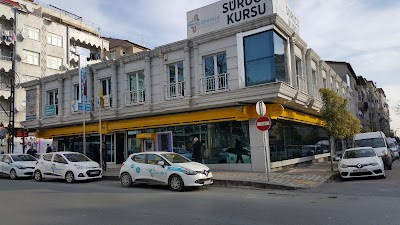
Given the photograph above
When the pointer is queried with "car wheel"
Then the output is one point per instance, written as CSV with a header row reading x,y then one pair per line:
x,y
13,174
38,175
126,180
175,183
69,177
389,167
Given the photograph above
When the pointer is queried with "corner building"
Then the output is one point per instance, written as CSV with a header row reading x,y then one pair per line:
x,y
206,86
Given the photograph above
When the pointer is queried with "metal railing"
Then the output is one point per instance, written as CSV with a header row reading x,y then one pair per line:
x,y
174,90
134,97
214,83
301,84
5,58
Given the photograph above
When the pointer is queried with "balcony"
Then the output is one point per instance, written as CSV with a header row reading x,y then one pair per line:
x,y
214,83
301,84
174,90
316,93
6,63
134,97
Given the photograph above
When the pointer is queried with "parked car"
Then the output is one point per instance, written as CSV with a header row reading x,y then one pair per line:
x,y
70,166
183,152
228,155
394,147
165,168
17,165
376,140
361,162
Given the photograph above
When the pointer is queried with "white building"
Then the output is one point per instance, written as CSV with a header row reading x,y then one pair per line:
x,y
204,86
42,39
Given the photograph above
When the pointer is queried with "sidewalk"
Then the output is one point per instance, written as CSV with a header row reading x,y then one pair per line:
x,y
300,177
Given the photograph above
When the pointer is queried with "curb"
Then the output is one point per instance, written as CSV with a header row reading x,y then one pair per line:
x,y
252,184
332,177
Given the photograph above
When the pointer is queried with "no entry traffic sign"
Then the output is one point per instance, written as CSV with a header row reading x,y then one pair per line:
x,y
263,123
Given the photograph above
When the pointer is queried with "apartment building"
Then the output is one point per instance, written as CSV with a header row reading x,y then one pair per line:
x,y
205,86
119,48
41,39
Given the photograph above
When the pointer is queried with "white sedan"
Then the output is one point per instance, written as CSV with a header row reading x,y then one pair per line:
x,y
70,166
361,162
17,165
165,168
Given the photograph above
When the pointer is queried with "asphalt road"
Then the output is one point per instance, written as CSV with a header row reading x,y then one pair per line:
x,y
355,202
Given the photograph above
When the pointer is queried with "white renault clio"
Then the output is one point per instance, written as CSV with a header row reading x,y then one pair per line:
x,y
166,168
17,165
70,166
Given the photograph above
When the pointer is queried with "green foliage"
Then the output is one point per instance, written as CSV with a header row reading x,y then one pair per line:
x,y
339,122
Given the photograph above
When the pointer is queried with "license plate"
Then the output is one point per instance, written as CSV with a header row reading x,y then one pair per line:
x,y
360,170
94,173
207,182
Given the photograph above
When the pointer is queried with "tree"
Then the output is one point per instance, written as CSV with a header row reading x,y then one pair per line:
x,y
339,122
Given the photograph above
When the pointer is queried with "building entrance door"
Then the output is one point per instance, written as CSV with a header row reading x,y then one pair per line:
x,y
165,141
110,146
120,148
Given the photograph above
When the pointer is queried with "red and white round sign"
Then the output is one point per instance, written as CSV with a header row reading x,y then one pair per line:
x,y
263,123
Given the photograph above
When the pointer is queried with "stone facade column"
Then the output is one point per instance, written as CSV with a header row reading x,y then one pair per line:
x,y
39,104
114,86
293,62
308,76
60,97
71,93
163,73
186,72
123,78
96,88
147,78
197,69
304,69
43,97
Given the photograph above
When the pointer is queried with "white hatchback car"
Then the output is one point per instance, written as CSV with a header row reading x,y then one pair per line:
x,y
70,166
361,162
166,168
17,165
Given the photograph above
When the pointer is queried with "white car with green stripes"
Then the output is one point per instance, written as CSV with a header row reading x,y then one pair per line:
x,y
165,168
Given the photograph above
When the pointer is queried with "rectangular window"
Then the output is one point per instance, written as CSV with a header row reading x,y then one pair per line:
x,y
52,103
54,39
54,63
175,78
106,89
33,33
112,54
136,88
314,78
76,92
31,57
265,58
215,73
324,81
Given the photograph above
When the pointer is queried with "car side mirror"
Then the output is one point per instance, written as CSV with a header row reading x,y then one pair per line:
x,y
161,163
337,158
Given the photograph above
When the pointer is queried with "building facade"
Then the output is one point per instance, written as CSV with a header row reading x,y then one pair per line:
x,y
119,48
205,86
42,40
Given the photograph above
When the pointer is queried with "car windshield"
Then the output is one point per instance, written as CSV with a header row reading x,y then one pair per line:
x,y
360,153
392,145
372,142
175,158
73,157
19,158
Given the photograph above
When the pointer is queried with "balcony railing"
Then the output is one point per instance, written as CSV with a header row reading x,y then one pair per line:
x,y
134,97
5,58
214,83
174,90
301,84
316,93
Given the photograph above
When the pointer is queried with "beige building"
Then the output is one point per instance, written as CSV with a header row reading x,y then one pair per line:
x,y
42,39
119,48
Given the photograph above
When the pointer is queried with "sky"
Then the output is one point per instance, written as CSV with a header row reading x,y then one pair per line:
x,y
364,33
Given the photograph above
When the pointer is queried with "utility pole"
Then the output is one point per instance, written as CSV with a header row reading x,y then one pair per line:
x,y
11,127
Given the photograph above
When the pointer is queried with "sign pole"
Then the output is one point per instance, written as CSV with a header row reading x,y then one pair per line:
x,y
101,132
263,124
267,153
84,129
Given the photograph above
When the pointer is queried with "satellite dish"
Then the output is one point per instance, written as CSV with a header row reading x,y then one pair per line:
x,y
17,57
63,68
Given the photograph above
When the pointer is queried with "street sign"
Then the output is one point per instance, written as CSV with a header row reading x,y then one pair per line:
x,y
88,107
261,109
263,123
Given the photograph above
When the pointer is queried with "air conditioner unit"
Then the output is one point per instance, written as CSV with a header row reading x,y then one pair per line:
x,y
17,57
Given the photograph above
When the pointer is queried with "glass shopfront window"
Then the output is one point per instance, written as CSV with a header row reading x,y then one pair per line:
x,y
289,140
